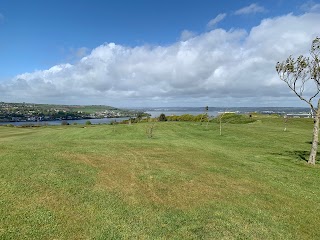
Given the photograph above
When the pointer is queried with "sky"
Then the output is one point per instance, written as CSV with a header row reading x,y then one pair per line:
x,y
152,53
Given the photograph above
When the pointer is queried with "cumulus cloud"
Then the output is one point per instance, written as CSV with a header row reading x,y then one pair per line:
x,y
213,22
252,8
213,67
311,6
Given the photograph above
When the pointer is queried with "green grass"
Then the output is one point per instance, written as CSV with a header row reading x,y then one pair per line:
x,y
113,182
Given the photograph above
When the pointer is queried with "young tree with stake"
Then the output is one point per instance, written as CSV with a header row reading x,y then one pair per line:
x,y
300,74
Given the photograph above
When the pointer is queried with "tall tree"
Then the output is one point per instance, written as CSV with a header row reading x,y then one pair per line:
x,y
205,115
302,75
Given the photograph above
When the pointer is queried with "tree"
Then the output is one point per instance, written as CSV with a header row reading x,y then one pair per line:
x,y
150,129
302,75
220,121
139,116
205,115
162,117
285,121
64,123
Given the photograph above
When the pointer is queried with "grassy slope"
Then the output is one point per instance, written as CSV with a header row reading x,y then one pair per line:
x,y
188,182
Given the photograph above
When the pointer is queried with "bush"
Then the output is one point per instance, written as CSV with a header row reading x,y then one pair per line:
x,y
162,117
88,122
235,118
64,123
201,118
28,125
188,118
173,118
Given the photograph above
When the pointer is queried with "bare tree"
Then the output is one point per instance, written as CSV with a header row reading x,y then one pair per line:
x,y
150,127
285,121
302,75
220,121
149,130
205,115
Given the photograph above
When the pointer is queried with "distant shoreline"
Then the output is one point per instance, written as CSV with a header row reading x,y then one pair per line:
x,y
214,111
58,122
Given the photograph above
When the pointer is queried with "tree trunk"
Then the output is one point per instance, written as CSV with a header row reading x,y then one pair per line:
x,y
315,139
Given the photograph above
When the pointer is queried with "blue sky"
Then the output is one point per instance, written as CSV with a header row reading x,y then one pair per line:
x,y
36,36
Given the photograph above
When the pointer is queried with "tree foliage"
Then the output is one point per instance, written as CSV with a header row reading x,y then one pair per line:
x,y
162,117
188,118
302,75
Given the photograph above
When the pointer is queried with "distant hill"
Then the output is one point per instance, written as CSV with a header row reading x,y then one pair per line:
x,y
16,112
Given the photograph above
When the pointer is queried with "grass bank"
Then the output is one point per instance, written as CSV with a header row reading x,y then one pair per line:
x,y
187,182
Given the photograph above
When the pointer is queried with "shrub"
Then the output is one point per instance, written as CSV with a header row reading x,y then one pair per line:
x,y
187,117
235,118
64,123
173,118
162,117
28,125
88,122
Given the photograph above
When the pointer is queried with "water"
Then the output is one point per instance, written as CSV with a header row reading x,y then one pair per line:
x,y
178,113
175,111
214,111
58,122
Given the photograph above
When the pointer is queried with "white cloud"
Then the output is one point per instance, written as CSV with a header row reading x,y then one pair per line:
x,y
186,35
213,22
311,6
252,8
81,52
215,67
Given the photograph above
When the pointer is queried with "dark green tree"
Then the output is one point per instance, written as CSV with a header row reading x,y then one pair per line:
x,y
162,117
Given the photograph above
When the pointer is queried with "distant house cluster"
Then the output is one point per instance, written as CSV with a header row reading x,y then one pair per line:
x,y
25,112
299,115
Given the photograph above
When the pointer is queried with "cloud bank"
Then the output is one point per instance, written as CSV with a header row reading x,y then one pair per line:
x,y
218,67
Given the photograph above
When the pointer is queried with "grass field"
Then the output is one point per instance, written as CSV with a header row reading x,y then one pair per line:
x,y
113,182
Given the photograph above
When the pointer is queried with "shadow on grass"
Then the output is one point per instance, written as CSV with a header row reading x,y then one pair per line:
x,y
299,155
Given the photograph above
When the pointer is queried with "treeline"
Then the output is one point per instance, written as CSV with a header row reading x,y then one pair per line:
x,y
232,118
224,117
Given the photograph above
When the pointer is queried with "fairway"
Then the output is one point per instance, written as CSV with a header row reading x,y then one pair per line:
x,y
187,182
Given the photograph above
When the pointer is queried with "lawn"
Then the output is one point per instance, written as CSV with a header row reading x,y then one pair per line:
x,y
187,182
